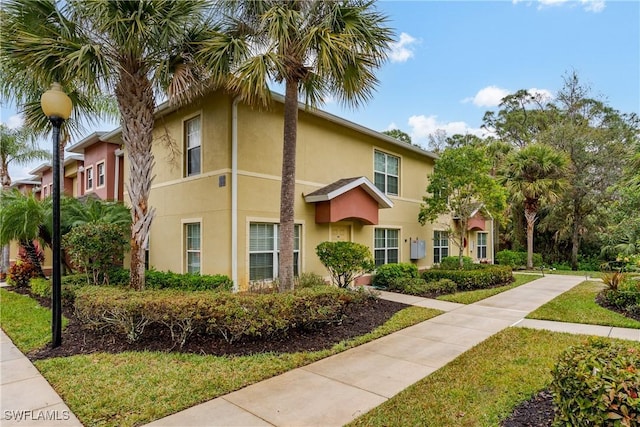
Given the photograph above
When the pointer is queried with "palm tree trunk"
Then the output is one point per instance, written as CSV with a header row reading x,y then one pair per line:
x,y
530,216
136,103
287,189
5,185
32,255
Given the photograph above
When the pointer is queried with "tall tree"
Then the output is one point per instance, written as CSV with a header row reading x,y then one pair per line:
x,y
136,48
15,148
315,48
533,175
460,185
399,135
597,140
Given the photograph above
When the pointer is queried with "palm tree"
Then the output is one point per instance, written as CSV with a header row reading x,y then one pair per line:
x,y
15,148
138,49
92,210
21,218
316,48
533,175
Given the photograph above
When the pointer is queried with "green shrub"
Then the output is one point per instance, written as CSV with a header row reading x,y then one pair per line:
x,y
232,316
597,384
345,261
21,273
624,294
387,273
453,263
466,280
40,287
309,280
442,286
95,247
417,286
187,282
79,279
517,259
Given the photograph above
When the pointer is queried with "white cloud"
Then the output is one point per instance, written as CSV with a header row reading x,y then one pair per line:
x,y
402,50
392,126
489,96
14,122
422,126
594,6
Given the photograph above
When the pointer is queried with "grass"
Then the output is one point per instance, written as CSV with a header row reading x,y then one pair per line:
x,y
470,297
134,388
25,321
482,386
578,306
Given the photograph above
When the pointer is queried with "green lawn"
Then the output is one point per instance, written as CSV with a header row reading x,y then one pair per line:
x,y
482,386
578,306
134,388
470,297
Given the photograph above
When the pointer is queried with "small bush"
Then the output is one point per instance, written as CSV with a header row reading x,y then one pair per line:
x,y
442,286
387,273
467,280
309,280
453,263
21,273
40,287
626,294
517,259
597,384
613,280
232,316
417,286
345,261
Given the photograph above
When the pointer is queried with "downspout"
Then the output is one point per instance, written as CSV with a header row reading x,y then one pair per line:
x,y
116,182
234,193
493,241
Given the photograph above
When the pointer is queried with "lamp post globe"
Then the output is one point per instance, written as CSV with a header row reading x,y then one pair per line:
x,y
57,106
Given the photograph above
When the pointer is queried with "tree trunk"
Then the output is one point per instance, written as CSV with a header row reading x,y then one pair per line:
x,y
288,185
136,103
575,245
32,254
530,216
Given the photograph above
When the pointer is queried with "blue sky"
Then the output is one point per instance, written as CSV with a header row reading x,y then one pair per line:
x,y
455,60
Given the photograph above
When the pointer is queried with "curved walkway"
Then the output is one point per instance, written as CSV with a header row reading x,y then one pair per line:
x,y
335,390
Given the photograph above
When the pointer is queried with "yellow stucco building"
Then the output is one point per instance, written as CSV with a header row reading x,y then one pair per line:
x,y
216,192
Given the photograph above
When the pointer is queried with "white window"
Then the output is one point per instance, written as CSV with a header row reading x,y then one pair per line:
x,y
44,191
192,146
100,170
440,246
481,245
263,251
89,174
192,245
386,172
386,246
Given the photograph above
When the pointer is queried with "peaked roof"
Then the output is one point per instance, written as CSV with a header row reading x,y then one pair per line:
x,y
344,185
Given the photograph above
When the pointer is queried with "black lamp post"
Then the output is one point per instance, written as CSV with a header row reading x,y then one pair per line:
x,y
57,107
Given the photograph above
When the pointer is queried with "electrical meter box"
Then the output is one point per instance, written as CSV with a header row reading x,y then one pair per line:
x,y
418,249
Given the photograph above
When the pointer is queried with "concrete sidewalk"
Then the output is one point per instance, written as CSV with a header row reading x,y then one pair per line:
x,y
332,391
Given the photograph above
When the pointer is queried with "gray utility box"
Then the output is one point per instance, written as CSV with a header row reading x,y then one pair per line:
x,y
418,249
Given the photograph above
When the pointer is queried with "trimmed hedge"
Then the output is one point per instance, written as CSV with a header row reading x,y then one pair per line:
x,y
467,280
387,273
417,286
453,263
162,280
43,288
231,316
597,384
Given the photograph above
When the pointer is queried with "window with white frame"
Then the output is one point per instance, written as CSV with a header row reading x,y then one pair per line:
x,y
386,246
263,251
89,176
192,246
44,191
440,245
193,142
386,173
100,172
481,245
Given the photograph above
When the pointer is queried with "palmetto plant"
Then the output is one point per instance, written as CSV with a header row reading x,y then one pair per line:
x,y
315,48
533,175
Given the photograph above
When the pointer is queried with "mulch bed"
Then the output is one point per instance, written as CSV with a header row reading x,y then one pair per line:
x,y
358,319
535,412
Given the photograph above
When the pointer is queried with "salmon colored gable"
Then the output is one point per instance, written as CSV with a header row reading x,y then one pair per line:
x,y
354,204
476,223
